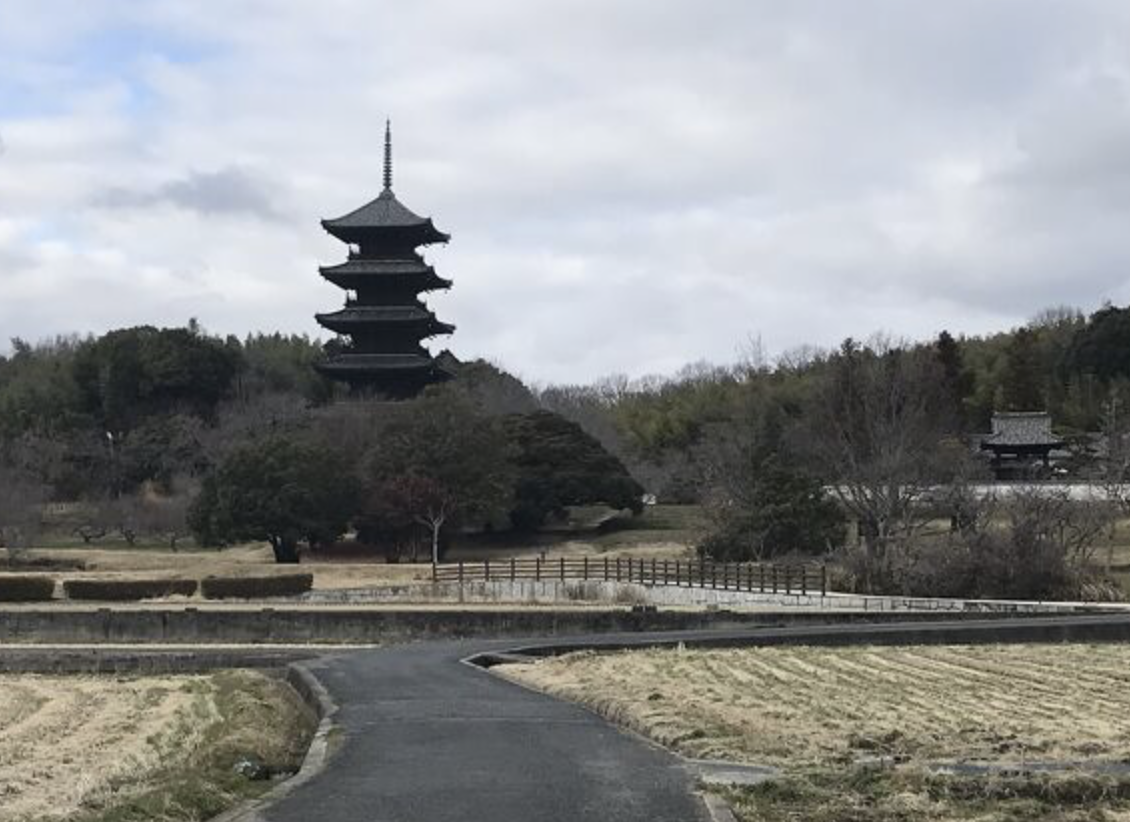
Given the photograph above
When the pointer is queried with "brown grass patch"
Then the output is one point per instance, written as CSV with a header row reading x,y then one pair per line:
x,y
124,748
806,707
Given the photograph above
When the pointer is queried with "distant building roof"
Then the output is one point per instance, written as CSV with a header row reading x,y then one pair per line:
x,y
1022,428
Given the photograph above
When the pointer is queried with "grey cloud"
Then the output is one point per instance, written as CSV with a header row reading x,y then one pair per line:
x,y
225,192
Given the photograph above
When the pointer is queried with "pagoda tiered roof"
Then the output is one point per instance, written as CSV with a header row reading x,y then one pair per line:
x,y
351,364
364,270
385,214
354,317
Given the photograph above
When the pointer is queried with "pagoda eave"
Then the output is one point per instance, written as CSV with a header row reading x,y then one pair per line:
x,y
353,280
379,366
418,329
415,235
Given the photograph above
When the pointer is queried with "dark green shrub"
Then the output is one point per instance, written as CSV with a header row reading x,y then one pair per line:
x,y
559,465
127,590
782,512
26,588
284,585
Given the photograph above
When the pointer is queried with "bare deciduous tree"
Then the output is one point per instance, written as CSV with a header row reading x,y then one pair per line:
x,y
876,428
21,500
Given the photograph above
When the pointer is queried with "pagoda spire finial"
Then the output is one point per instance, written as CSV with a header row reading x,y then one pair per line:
x,y
388,155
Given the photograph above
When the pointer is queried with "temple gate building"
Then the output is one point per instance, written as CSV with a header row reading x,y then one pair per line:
x,y
384,317
1021,441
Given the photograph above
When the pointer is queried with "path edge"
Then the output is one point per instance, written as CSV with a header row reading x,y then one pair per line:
x,y
717,808
313,693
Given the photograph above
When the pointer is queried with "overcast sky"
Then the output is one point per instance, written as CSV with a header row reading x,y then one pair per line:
x,y
630,185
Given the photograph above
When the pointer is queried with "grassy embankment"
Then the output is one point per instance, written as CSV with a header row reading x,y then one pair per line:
x,y
854,729
127,749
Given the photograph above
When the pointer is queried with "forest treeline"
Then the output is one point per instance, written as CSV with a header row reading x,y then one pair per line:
x,y
781,453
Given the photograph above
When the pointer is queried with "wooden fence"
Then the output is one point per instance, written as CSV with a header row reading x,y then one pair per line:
x,y
761,577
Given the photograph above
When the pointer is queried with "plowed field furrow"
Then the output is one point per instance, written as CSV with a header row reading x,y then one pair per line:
x,y
803,705
921,690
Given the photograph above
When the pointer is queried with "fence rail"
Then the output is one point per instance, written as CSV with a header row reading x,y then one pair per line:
x,y
762,577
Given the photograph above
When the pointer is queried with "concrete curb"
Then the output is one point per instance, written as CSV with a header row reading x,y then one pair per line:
x,y
717,808
302,679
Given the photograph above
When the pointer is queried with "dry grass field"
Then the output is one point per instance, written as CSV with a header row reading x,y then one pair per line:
x,y
660,532
825,715
112,749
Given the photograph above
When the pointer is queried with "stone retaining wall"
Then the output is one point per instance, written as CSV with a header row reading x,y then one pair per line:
x,y
218,625
94,660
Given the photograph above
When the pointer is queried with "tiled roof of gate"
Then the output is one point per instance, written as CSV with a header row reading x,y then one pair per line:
x,y
1022,428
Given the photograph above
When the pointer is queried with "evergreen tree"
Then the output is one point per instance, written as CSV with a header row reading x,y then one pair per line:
x,y
957,378
279,490
1024,376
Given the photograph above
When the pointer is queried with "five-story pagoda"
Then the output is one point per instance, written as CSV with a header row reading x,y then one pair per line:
x,y
384,316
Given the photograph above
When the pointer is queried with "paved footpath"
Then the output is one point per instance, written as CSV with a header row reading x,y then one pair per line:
x,y
430,739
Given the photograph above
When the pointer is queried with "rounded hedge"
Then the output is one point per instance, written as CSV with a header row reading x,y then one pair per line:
x,y
283,585
127,590
26,588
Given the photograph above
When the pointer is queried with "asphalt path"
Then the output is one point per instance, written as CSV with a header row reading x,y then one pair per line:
x,y
428,737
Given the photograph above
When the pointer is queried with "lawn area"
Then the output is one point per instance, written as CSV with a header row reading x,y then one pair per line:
x,y
827,716
660,531
119,749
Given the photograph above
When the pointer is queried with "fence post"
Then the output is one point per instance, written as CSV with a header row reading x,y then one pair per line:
x,y
678,580
562,569
585,568
617,569
537,569
486,570
513,569
606,569
804,580
435,573
774,577
666,577
653,570
824,580
460,572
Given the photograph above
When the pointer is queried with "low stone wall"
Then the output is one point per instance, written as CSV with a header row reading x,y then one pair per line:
x,y
630,593
218,625
94,660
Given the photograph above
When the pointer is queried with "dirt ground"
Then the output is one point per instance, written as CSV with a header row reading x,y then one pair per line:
x,y
241,561
797,707
77,747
